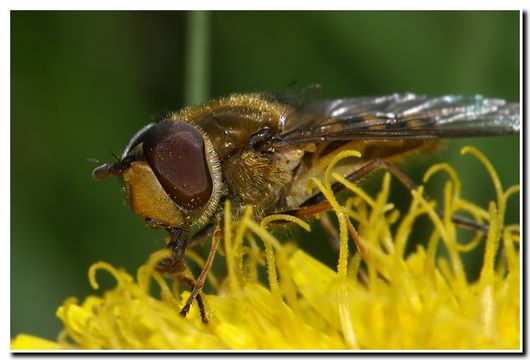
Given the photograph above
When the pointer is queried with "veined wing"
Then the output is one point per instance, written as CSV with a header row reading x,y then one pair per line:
x,y
402,116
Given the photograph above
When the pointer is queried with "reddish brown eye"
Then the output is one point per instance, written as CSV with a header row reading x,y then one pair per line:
x,y
175,152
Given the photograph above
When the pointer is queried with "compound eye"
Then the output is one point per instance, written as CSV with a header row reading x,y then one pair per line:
x,y
176,153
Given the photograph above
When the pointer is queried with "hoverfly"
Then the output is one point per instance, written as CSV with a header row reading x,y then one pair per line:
x,y
261,150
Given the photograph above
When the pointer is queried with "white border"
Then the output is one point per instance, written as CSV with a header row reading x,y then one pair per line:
x,y
199,4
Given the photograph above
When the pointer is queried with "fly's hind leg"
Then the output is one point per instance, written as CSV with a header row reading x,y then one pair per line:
x,y
330,230
318,202
410,185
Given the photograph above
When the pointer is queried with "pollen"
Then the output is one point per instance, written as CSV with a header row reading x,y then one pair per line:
x,y
382,298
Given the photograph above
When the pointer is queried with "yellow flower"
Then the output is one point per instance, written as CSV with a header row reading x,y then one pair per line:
x,y
386,299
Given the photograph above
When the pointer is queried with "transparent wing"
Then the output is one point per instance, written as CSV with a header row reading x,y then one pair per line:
x,y
402,116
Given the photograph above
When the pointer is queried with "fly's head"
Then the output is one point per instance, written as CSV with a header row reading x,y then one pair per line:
x,y
171,174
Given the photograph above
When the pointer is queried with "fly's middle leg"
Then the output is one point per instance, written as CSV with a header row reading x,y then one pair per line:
x,y
199,284
192,284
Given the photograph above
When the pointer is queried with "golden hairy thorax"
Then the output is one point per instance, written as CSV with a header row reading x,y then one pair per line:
x,y
231,121
250,176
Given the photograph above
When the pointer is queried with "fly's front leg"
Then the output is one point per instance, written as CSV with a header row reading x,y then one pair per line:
x,y
174,263
177,244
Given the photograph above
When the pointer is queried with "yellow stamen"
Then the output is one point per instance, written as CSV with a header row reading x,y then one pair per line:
x,y
394,297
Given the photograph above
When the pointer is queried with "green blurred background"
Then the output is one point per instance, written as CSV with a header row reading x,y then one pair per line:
x,y
83,82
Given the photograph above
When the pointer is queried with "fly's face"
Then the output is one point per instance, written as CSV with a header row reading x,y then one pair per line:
x,y
171,174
